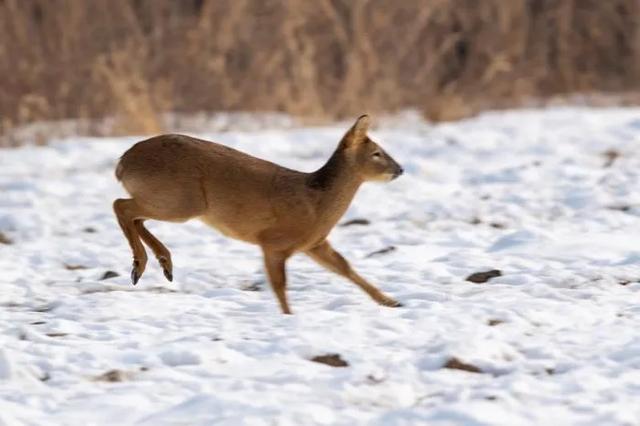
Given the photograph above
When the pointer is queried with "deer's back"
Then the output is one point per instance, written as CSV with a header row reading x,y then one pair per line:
x,y
182,172
177,177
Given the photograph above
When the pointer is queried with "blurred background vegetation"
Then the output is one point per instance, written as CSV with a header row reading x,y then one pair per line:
x,y
135,60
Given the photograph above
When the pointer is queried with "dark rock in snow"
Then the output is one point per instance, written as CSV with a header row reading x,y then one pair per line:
x,y
359,221
483,277
455,364
109,274
333,360
381,251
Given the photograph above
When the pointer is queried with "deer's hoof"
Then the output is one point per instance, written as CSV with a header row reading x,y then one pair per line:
x,y
391,303
136,272
168,274
135,276
167,268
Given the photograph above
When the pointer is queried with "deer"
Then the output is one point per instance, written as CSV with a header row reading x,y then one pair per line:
x,y
176,178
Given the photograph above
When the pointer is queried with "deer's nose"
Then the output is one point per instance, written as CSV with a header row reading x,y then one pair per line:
x,y
398,172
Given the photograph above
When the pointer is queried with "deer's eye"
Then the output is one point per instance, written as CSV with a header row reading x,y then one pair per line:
x,y
376,155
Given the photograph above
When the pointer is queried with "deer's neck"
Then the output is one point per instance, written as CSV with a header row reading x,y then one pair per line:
x,y
336,184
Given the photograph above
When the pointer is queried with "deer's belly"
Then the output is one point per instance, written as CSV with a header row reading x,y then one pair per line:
x,y
237,231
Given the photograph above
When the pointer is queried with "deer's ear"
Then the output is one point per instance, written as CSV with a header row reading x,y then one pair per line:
x,y
357,133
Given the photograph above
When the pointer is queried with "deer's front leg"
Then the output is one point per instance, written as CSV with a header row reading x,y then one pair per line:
x,y
326,256
274,262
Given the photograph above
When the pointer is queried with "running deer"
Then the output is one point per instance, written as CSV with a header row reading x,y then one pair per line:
x,y
176,178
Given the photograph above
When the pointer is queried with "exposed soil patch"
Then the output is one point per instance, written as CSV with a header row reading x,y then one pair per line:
x,y
494,322
57,334
254,286
333,360
109,274
454,363
74,267
359,221
483,277
373,380
112,376
381,251
610,156
89,230
5,240
621,208
496,225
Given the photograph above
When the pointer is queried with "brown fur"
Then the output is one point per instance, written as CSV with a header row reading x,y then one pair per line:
x,y
176,178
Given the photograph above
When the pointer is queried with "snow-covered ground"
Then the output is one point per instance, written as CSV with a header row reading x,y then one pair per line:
x,y
550,198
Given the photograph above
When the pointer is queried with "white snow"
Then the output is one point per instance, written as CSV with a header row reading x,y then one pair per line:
x,y
557,336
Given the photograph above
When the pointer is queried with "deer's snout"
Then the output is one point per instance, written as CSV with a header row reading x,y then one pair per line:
x,y
399,171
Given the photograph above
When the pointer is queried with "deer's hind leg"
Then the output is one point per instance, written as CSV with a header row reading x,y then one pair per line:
x,y
127,211
161,252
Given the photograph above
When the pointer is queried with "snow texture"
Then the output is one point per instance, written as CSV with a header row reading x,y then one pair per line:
x,y
550,198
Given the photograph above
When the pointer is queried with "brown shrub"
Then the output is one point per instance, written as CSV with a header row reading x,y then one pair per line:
x,y
135,59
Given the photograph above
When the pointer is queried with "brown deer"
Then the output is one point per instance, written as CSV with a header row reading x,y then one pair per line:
x,y
176,178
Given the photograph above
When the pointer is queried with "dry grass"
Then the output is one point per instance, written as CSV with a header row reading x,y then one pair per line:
x,y
133,60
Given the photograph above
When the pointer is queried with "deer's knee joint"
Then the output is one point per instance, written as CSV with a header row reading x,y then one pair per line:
x,y
118,205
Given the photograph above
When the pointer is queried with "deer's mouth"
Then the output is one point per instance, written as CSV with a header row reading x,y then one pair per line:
x,y
388,177
397,173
